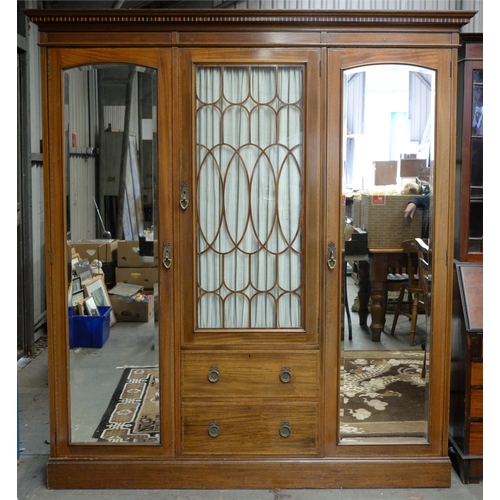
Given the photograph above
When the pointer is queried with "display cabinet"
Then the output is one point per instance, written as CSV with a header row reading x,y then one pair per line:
x,y
466,418
234,126
469,198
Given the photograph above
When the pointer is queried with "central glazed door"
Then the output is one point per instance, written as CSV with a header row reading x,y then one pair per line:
x,y
249,252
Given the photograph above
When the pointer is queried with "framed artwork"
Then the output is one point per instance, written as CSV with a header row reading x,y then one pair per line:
x,y
82,269
96,289
75,258
81,309
76,284
91,307
77,297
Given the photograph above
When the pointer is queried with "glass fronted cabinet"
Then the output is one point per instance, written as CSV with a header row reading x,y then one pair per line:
x,y
197,178
469,197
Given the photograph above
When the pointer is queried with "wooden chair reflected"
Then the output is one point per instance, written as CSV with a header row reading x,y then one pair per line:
x,y
424,272
411,288
425,277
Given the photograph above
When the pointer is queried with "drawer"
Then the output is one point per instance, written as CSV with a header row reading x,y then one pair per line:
x,y
226,374
476,374
476,403
260,429
476,438
475,346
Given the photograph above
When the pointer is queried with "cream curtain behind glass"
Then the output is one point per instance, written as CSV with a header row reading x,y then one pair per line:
x,y
249,127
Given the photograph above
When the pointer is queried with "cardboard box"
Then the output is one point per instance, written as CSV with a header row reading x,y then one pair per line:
x,y
89,331
144,276
356,210
382,217
103,250
126,308
129,256
133,311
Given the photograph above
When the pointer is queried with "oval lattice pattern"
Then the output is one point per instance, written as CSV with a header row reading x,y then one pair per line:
x,y
249,128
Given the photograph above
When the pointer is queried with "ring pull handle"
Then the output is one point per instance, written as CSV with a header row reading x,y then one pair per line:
x,y
184,201
213,374
285,430
285,375
167,255
213,430
332,255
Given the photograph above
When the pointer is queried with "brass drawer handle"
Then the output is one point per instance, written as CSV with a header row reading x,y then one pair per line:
x,y
213,374
214,430
285,375
285,430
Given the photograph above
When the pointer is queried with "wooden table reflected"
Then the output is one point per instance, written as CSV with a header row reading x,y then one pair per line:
x,y
372,282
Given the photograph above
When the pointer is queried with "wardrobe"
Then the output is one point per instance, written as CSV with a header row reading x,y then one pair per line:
x,y
240,125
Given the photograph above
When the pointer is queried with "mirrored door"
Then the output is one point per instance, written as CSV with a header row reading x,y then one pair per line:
x,y
110,147
388,161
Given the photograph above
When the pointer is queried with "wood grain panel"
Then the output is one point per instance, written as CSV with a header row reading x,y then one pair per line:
x,y
250,374
255,474
390,39
476,403
476,438
476,374
250,429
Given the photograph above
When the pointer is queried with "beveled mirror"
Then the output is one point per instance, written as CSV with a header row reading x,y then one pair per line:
x,y
388,160
111,175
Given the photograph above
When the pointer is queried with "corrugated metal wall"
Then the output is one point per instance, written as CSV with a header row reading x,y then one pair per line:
x,y
37,215
80,133
35,90
38,242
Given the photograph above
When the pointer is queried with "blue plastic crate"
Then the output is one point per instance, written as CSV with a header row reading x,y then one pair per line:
x,y
89,331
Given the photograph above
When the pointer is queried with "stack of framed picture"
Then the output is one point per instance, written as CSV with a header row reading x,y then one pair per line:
x,y
87,292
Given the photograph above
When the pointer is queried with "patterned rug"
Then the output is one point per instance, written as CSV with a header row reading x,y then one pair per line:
x,y
132,415
383,394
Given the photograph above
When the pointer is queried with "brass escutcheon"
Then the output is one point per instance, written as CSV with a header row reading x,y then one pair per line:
x,y
184,201
332,255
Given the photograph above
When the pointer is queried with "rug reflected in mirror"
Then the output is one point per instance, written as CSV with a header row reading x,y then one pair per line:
x,y
133,414
383,394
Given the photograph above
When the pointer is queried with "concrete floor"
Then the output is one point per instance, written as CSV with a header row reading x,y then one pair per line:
x,y
34,446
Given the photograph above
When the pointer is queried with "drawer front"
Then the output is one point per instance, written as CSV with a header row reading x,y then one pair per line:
x,y
476,374
226,374
476,403
475,346
250,430
476,438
